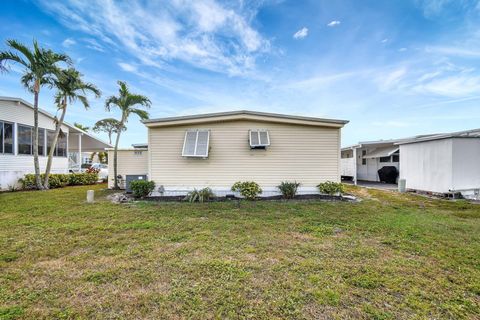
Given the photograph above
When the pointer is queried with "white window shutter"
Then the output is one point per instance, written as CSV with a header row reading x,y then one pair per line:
x,y
189,144
264,140
254,141
259,138
202,143
196,143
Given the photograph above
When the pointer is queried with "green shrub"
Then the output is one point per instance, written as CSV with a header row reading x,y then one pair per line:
x,y
288,189
55,180
59,180
80,179
330,187
142,188
248,189
201,195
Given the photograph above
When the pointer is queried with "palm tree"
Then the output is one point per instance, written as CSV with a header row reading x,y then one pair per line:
x,y
108,125
40,65
70,88
125,101
81,126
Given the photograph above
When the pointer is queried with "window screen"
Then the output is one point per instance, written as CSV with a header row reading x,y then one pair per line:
x,y
395,158
384,159
364,161
196,143
61,145
259,138
41,141
1,136
7,137
50,136
24,140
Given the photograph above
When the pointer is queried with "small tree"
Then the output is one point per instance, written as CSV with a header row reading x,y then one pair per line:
x,y
108,125
39,67
126,102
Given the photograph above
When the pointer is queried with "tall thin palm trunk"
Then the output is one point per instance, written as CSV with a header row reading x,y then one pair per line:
x,y
58,127
116,186
36,164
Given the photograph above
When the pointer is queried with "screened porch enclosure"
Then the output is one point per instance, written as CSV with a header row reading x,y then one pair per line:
x,y
80,143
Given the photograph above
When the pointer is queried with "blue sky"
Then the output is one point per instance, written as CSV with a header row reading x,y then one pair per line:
x,y
393,68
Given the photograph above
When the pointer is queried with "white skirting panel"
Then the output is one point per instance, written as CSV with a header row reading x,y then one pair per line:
x,y
222,191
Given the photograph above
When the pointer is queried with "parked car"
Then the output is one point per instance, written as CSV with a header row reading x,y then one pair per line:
x,y
103,169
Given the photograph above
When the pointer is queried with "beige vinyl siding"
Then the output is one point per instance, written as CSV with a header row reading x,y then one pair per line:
x,y
129,163
307,154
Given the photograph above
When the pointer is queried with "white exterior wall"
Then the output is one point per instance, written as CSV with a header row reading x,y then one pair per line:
x,y
14,166
427,166
466,164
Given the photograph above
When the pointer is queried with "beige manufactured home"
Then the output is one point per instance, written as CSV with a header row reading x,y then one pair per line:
x,y
216,150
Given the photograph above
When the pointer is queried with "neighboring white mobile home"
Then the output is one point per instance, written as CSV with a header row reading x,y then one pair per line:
x,y
446,163
16,147
216,150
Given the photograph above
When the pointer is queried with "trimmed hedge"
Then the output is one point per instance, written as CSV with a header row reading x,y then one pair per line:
x,y
59,180
142,188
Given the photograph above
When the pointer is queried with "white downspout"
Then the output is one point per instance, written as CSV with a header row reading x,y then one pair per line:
x,y
80,152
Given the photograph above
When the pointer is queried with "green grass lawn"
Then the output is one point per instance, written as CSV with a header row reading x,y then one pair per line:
x,y
390,256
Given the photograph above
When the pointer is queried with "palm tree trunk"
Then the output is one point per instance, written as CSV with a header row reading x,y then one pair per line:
x,y
54,144
36,164
116,186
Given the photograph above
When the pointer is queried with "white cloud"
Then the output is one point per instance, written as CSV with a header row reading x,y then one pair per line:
x,y
453,51
385,40
300,34
452,86
127,67
94,45
68,42
333,23
402,49
204,34
392,79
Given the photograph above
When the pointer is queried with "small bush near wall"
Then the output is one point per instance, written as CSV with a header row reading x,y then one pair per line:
x,y
142,188
248,189
59,180
201,195
330,188
288,189
80,179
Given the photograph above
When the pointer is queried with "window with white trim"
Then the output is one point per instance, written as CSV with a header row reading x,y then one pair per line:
x,y
24,139
259,139
6,137
196,143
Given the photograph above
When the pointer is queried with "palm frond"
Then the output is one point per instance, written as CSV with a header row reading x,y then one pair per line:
x,y
23,49
7,56
141,113
84,101
111,102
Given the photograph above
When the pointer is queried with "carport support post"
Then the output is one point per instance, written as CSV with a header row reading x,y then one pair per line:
x,y
355,166
80,152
